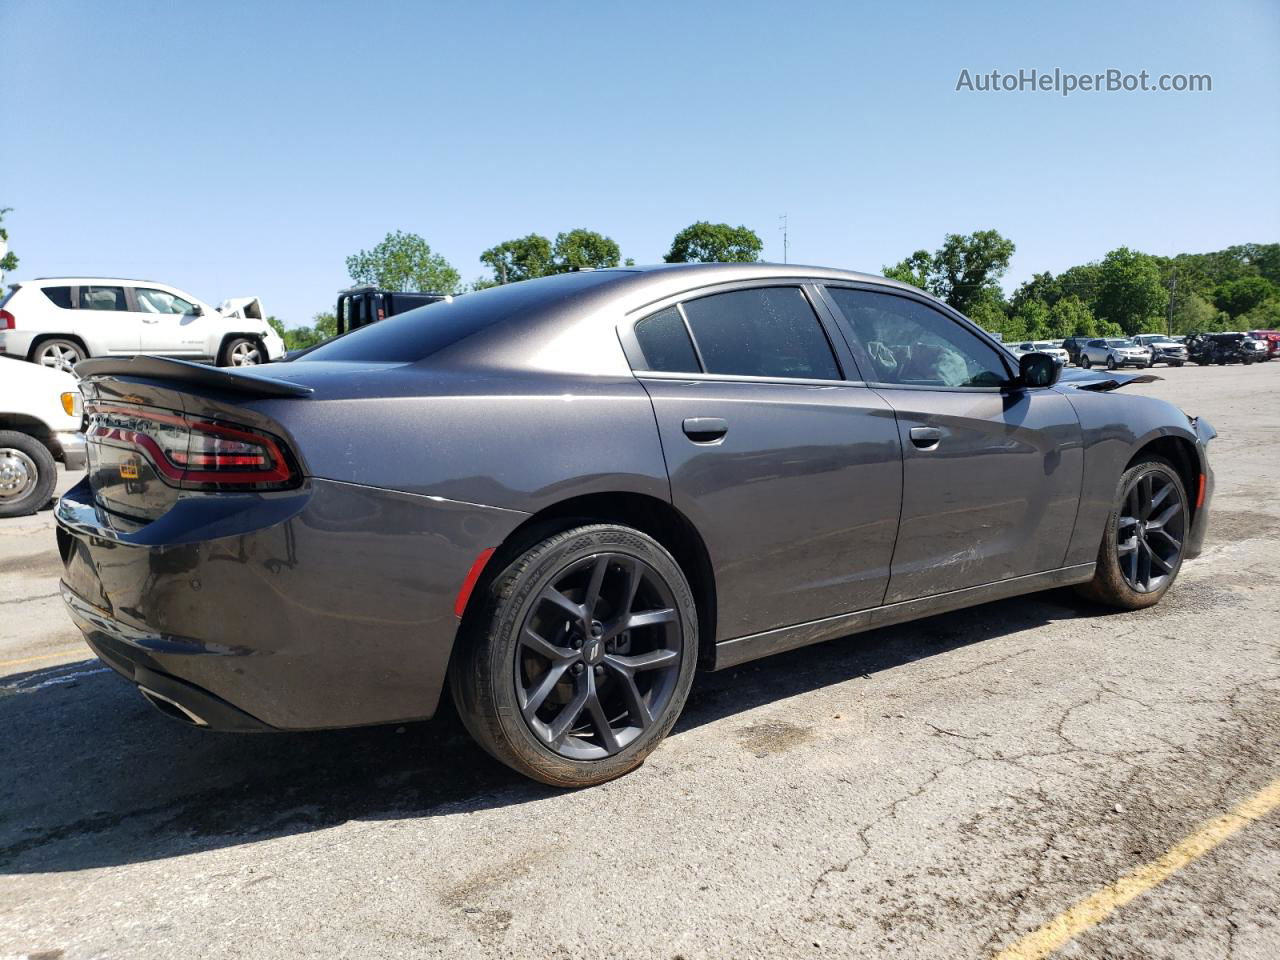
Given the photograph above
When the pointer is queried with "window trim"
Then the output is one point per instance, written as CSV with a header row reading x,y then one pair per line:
x,y
942,309
808,287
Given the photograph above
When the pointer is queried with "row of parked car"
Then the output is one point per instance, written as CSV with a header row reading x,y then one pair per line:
x,y
1148,349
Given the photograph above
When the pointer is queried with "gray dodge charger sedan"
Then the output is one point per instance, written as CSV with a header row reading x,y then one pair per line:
x,y
564,495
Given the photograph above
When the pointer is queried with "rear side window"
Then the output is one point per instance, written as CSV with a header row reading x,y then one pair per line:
x,y
761,332
60,296
102,298
664,341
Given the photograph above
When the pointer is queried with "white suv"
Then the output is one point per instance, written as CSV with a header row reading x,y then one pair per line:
x,y
59,321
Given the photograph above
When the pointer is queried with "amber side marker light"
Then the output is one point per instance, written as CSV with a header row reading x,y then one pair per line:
x,y
71,403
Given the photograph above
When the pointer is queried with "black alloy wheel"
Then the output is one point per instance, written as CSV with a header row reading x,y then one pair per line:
x,y
1150,531
599,656
1143,543
580,656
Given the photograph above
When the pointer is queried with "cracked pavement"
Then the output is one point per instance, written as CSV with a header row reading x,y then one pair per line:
x,y
936,789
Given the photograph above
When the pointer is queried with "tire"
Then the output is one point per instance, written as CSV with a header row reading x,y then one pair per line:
x,y
60,353
1111,363
241,352
27,474
1086,363
1113,582
494,678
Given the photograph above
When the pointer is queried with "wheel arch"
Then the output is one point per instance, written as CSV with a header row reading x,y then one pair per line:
x,y
246,335
1181,452
648,514
45,337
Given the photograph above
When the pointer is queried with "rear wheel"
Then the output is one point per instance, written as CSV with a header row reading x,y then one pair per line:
x,y
27,474
58,353
1141,550
581,658
241,352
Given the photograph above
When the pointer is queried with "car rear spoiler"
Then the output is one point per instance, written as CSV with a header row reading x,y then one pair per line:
x,y
232,380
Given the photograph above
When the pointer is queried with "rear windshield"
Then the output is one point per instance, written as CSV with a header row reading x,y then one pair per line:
x,y
408,337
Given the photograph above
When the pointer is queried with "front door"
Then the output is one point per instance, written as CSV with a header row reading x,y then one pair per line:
x,y
791,474
991,474
170,324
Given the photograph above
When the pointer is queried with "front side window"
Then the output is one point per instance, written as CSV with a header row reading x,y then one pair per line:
x,y
761,332
102,298
909,343
664,341
161,301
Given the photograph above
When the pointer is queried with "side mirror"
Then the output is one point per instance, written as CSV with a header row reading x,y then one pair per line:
x,y
196,310
1038,370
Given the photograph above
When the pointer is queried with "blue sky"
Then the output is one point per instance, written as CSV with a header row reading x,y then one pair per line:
x,y
248,148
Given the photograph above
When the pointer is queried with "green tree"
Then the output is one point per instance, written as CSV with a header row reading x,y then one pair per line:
x,y
964,270
584,248
275,324
403,261
9,261
1033,317
1042,287
704,242
992,314
1265,316
1130,294
1070,317
914,270
1242,295
1192,313
520,259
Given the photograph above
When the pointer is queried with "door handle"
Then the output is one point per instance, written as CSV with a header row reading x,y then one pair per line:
x,y
926,438
705,429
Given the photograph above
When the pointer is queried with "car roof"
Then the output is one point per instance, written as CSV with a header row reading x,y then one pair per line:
x,y
75,281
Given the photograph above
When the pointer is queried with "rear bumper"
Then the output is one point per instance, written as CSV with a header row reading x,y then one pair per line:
x,y
328,606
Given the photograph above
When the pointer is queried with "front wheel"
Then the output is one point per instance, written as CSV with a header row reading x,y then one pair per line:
x,y
1086,362
27,474
241,352
581,657
1111,363
1141,551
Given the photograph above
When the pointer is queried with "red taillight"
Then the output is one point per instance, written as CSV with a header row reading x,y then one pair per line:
x,y
8,321
193,453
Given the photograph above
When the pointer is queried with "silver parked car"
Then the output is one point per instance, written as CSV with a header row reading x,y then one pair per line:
x,y
1163,349
1114,352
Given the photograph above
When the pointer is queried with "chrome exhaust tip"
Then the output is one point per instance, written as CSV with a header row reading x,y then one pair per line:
x,y
172,708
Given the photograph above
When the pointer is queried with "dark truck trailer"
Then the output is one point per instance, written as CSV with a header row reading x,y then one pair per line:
x,y
360,306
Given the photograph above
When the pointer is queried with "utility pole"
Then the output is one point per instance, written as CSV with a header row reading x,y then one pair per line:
x,y
783,228
1173,292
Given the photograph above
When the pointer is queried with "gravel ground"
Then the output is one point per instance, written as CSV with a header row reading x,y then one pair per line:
x,y
937,789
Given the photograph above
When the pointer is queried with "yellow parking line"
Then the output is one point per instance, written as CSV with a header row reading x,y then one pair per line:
x,y
43,656
1094,909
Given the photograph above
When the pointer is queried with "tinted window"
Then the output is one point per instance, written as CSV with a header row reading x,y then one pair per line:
x,y
411,336
665,343
907,342
160,301
61,296
763,332
102,298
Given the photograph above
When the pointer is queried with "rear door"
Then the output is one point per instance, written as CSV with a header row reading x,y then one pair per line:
x,y
786,463
991,475
102,316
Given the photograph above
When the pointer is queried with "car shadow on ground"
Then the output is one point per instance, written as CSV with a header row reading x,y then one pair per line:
x,y
94,777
